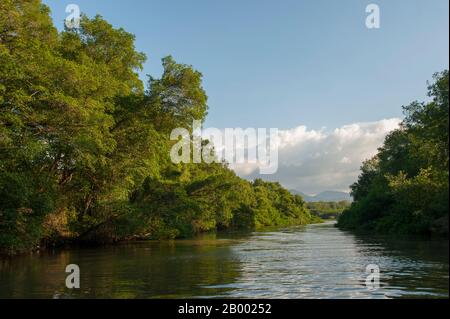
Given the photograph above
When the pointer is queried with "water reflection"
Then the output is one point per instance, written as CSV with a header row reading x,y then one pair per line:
x,y
317,261
320,261
413,267
139,270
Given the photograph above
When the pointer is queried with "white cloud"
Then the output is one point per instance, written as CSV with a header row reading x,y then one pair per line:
x,y
317,160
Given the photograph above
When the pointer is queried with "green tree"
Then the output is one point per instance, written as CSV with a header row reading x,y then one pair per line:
x,y
405,187
85,149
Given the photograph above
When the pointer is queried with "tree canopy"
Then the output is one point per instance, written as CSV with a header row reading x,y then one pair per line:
x,y
85,148
404,188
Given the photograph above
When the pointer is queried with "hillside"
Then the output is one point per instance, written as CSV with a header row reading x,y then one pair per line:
x,y
326,196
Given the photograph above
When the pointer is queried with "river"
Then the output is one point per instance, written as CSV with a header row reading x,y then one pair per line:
x,y
315,261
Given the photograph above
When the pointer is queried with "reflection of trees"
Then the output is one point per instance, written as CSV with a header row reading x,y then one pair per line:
x,y
412,263
138,270
34,275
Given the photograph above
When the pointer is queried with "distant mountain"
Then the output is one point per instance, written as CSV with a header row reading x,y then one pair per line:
x,y
327,196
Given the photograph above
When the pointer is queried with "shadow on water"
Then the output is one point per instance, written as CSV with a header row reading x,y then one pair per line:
x,y
317,261
137,270
415,266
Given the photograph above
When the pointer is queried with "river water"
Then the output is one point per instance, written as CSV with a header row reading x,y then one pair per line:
x,y
316,261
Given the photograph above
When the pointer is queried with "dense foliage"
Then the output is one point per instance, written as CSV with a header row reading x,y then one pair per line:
x,y
404,188
84,149
327,210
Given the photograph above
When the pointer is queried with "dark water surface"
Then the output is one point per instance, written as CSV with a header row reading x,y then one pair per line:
x,y
317,261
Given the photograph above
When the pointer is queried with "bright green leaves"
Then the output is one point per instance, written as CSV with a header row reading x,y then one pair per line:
x,y
405,187
178,97
84,151
211,198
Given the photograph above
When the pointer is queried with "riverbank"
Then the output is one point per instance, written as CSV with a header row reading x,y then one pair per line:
x,y
73,243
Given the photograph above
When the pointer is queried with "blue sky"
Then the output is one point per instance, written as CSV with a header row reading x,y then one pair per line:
x,y
291,63
270,63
